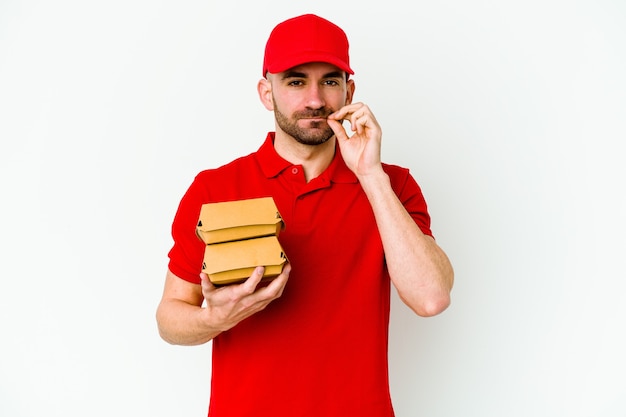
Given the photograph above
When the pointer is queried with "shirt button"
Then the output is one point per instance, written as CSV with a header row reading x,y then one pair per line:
x,y
294,170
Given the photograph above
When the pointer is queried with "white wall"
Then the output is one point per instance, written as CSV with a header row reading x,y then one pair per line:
x,y
511,115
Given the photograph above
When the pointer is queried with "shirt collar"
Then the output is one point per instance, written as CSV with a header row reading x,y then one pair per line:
x,y
273,164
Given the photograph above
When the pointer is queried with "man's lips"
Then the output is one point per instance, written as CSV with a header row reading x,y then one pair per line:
x,y
313,115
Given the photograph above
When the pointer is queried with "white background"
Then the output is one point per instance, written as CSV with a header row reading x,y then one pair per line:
x,y
510,114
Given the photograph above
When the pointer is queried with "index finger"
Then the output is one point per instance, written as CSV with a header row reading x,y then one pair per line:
x,y
344,112
249,285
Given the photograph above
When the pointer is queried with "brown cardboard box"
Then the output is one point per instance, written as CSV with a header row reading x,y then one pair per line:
x,y
231,262
236,220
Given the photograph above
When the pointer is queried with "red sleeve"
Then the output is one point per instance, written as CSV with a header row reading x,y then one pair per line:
x,y
187,253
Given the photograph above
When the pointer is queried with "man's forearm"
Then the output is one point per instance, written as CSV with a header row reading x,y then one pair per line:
x,y
418,267
181,323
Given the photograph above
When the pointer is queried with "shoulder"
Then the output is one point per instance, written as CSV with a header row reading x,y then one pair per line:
x,y
243,163
238,179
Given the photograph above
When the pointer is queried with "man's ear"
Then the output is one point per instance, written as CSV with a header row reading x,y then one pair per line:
x,y
350,87
264,88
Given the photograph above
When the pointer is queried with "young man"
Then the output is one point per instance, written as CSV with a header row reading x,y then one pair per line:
x,y
313,341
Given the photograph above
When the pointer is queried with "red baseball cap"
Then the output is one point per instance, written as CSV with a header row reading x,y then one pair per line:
x,y
303,39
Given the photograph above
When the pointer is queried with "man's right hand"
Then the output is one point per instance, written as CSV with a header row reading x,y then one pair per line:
x,y
182,319
228,305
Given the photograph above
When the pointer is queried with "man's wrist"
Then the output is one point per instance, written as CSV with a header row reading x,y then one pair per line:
x,y
374,180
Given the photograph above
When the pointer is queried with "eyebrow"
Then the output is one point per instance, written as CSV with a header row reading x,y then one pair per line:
x,y
297,74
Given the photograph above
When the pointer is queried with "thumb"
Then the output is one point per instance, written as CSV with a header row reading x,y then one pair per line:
x,y
205,282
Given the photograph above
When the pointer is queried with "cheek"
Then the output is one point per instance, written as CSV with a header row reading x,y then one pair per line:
x,y
348,97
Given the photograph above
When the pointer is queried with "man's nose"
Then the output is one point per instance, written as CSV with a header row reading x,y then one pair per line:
x,y
315,98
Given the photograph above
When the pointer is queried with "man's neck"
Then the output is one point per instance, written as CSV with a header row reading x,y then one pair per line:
x,y
313,158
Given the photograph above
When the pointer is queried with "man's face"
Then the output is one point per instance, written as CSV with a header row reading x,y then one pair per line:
x,y
304,96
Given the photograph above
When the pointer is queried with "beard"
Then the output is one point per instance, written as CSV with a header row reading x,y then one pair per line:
x,y
317,133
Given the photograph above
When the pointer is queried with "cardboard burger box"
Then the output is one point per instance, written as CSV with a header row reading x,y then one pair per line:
x,y
239,236
232,262
238,220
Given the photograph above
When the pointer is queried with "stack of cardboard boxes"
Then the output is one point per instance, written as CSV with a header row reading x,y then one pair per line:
x,y
239,236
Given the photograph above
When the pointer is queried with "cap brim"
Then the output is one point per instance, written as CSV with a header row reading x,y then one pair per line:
x,y
307,58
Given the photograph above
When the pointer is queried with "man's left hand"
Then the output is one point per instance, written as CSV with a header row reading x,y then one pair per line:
x,y
361,151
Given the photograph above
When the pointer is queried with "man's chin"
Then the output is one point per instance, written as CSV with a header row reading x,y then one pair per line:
x,y
313,140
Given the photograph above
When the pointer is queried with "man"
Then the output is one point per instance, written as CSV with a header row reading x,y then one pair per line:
x,y
313,341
